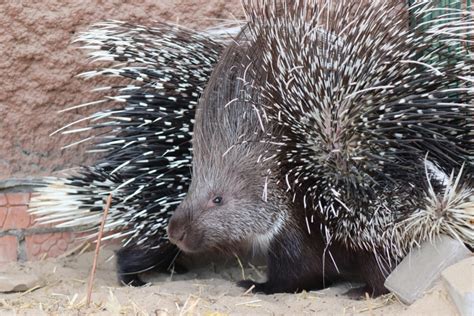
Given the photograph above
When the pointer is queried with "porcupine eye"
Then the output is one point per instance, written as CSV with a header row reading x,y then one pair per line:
x,y
217,200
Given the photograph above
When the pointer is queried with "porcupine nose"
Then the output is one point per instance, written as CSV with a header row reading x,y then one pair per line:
x,y
176,230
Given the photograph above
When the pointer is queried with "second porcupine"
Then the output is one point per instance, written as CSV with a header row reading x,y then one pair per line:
x,y
326,137
143,130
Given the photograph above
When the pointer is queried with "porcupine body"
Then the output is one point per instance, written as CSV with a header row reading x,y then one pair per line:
x,y
336,139
144,141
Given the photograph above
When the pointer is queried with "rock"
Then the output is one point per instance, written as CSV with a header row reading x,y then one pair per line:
x,y
18,282
419,270
459,281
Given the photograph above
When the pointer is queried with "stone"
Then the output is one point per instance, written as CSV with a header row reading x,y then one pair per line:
x,y
18,282
422,267
459,281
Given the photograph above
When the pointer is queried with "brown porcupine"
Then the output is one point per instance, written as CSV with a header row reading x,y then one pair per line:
x,y
329,136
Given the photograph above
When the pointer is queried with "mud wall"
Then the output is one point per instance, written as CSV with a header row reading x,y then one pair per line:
x,y
38,65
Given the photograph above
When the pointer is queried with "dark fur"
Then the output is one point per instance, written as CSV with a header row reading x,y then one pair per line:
x,y
300,261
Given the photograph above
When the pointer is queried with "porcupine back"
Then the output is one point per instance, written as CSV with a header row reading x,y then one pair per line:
x,y
378,118
144,139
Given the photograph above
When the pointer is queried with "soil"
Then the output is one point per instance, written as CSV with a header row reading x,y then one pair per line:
x,y
206,290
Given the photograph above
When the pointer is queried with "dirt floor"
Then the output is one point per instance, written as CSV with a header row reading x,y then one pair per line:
x,y
208,290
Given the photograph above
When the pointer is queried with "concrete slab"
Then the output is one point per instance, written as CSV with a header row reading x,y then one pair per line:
x,y
420,269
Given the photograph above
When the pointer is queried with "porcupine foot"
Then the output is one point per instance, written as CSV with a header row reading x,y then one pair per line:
x,y
133,260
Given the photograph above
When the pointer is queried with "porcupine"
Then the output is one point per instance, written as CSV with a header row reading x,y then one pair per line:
x,y
358,131
145,143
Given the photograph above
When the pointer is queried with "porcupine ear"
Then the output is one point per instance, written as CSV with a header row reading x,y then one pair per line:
x,y
142,130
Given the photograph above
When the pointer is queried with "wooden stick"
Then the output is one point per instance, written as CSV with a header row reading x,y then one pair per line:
x,y
97,247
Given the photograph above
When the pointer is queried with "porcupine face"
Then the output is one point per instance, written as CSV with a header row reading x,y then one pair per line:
x,y
224,210
232,201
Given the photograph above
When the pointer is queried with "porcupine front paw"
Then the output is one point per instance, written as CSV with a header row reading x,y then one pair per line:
x,y
272,288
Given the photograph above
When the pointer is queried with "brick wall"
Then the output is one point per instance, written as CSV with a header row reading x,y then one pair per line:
x,y
20,238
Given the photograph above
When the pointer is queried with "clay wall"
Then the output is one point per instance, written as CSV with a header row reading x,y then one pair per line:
x,y
38,65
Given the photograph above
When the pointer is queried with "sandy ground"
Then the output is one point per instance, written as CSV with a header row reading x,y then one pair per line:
x,y
205,290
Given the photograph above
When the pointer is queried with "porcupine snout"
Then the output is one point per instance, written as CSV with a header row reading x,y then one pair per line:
x,y
176,231
180,231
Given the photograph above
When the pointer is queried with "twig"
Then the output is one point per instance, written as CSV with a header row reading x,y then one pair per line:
x,y
249,289
30,290
97,247
241,266
246,303
256,270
